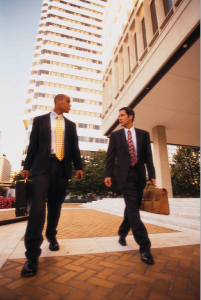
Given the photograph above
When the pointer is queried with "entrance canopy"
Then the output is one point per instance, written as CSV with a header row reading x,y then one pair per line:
x,y
174,102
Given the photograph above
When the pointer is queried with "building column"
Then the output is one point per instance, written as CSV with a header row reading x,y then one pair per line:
x,y
131,43
148,22
106,94
121,68
110,89
103,100
115,77
138,30
160,12
126,58
161,163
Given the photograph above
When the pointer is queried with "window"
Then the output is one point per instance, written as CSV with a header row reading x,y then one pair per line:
x,y
129,65
144,34
135,43
154,16
167,6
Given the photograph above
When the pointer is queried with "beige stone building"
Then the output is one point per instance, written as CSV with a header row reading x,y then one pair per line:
x,y
151,64
5,169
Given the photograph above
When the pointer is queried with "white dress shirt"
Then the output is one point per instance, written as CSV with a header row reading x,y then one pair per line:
x,y
133,134
53,119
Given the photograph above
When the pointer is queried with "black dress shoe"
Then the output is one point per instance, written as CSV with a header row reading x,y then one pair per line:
x,y
30,268
122,240
147,258
54,245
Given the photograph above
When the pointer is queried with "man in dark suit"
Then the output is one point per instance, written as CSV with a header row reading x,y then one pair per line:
x,y
132,148
53,145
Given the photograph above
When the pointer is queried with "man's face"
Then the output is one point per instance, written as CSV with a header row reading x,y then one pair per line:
x,y
124,119
64,104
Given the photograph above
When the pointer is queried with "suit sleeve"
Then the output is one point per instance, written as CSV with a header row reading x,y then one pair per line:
x,y
33,145
149,159
77,162
110,158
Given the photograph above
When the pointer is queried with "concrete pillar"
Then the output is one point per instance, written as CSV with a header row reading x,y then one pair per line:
x,y
161,163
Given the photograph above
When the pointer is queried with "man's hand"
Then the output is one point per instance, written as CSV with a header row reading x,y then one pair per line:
x,y
152,182
79,175
25,174
108,181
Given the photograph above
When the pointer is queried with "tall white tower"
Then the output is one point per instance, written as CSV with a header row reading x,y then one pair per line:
x,y
68,60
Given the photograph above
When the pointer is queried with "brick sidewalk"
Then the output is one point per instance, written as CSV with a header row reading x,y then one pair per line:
x,y
86,223
119,275
105,276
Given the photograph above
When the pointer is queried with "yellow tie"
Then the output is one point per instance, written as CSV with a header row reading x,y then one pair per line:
x,y
59,139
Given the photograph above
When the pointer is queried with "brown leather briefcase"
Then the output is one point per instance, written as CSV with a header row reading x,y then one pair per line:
x,y
155,201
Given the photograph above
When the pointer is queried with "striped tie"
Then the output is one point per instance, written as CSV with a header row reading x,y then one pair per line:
x,y
133,156
59,139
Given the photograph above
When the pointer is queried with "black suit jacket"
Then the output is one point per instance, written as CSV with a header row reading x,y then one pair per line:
x,y
118,146
39,150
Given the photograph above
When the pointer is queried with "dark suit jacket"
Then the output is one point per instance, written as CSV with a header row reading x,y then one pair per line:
x,y
39,150
118,146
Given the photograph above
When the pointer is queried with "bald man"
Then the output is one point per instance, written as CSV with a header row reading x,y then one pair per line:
x,y
53,147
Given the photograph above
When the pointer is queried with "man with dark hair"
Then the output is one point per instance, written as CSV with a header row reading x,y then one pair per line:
x,y
53,145
133,150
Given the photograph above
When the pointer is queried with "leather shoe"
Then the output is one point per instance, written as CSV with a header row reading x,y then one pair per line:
x,y
54,245
122,240
147,258
30,268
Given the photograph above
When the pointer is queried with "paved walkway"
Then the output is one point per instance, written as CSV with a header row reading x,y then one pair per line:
x,y
101,268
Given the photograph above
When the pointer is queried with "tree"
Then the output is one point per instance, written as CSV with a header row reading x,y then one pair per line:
x,y
3,190
93,184
17,176
185,172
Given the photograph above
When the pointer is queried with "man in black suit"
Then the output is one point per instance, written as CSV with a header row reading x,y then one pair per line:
x,y
132,148
53,145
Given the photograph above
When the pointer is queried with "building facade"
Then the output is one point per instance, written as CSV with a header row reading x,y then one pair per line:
x,y
68,60
5,169
151,58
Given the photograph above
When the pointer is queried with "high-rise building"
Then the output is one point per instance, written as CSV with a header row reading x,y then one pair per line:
x,y
5,169
68,60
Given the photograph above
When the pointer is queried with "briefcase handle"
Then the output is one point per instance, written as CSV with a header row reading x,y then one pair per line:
x,y
153,186
25,180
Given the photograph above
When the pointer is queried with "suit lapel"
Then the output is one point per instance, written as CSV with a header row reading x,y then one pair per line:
x,y
47,131
123,139
139,141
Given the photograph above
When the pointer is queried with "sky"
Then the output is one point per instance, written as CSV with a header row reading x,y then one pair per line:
x,y
19,20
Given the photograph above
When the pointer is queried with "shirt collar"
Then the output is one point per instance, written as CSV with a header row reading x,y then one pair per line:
x,y
132,129
54,115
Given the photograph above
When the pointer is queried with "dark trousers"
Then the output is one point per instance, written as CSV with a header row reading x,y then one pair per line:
x,y
132,196
50,186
